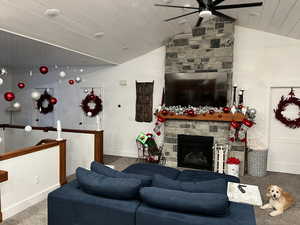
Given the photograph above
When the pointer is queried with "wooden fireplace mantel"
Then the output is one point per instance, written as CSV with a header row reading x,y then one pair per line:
x,y
218,117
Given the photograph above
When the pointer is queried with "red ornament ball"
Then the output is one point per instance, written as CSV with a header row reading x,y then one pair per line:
x,y
92,97
53,101
164,112
21,85
211,111
44,69
191,112
71,82
240,106
226,109
9,96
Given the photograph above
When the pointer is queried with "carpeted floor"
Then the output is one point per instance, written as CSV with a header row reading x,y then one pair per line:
x,y
37,214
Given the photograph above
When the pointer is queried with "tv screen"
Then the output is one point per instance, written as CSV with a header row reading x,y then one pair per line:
x,y
196,89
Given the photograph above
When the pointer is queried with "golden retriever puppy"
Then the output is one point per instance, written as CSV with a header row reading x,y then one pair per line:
x,y
278,200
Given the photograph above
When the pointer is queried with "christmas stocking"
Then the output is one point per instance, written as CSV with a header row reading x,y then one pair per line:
x,y
158,124
242,132
232,130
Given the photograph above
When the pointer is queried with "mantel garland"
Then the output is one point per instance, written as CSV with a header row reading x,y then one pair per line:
x,y
283,103
91,98
40,103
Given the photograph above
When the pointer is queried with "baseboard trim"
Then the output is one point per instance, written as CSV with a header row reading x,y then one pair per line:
x,y
282,167
26,203
122,154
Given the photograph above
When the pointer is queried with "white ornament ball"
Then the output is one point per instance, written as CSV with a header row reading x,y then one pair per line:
x,y
62,74
35,95
81,70
78,79
3,71
86,90
17,105
89,114
28,128
1,81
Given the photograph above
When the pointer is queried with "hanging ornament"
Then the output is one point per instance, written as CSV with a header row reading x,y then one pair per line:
x,y
44,70
86,91
17,105
3,71
9,96
28,129
62,74
78,79
164,112
53,101
191,112
89,114
71,82
1,81
226,109
251,113
35,95
30,73
211,111
21,85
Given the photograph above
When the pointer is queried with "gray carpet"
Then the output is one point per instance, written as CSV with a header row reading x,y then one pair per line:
x,y
37,214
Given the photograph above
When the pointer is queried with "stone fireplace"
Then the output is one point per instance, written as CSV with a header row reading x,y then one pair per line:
x,y
195,151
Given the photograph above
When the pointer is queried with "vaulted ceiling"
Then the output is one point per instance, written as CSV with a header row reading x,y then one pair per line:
x,y
131,27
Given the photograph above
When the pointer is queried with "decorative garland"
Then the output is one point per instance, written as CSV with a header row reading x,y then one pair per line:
x,y
283,103
45,97
91,98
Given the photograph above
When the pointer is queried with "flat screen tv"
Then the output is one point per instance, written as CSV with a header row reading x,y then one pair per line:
x,y
196,89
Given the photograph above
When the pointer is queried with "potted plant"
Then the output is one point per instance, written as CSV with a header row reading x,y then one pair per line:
x,y
233,166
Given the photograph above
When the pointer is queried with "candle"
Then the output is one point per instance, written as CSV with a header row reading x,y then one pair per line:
x,y
234,94
241,97
98,122
59,129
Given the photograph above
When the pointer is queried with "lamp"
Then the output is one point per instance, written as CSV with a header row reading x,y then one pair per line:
x,y
205,13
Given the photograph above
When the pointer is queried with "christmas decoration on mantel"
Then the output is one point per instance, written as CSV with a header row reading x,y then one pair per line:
x,y
91,98
282,105
241,117
51,101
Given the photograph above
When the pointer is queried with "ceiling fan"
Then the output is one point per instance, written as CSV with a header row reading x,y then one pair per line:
x,y
208,8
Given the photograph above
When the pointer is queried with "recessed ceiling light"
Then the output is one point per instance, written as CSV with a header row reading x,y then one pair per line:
x,y
254,14
99,34
52,12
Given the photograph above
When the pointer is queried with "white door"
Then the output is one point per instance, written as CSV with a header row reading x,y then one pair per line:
x,y
284,148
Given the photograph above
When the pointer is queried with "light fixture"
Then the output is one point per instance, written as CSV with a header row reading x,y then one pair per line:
x,y
52,12
205,13
99,34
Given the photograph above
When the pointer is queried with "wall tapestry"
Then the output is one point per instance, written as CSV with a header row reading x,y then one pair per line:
x,y
144,101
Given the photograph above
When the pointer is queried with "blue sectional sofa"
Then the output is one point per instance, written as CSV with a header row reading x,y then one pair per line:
x,y
71,205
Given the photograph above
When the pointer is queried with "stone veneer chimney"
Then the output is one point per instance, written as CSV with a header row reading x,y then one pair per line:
x,y
208,49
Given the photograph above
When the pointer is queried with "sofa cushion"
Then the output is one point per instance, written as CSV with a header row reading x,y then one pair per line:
x,y
197,175
210,204
107,171
70,205
239,214
118,188
211,186
152,169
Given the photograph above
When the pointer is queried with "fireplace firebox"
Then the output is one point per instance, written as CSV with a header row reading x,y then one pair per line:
x,y
195,152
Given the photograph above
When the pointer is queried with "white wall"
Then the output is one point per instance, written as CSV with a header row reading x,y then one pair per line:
x,y
30,178
6,86
80,146
261,61
120,128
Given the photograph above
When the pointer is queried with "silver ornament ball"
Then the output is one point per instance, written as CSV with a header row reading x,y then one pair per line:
x,y
35,95
78,79
17,105
62,74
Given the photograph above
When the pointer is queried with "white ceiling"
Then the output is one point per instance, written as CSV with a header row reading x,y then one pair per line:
x,y
131,27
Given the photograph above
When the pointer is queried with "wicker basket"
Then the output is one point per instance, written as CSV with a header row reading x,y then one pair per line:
x,y
257,162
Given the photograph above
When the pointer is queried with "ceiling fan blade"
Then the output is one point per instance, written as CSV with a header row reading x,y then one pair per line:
x,y
246,5
217,2
201,3
223,15
175,6
199,21
174,18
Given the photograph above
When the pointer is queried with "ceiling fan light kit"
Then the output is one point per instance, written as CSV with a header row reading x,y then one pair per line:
x,y
207,8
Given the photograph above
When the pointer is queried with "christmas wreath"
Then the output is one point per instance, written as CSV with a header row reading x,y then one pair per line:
x,y
283,103
46,97
91,98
